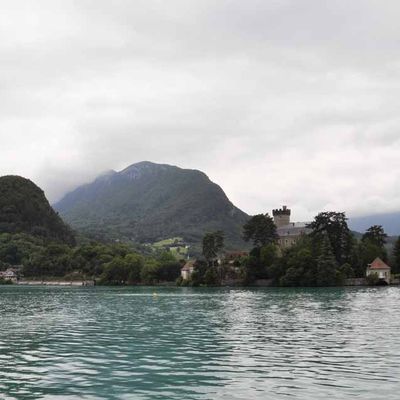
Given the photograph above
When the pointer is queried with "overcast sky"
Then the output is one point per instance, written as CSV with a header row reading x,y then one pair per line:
x,y
279,101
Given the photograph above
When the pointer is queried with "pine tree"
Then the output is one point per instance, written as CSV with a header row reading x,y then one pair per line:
x,y
260,229
333,225
375,235
213,243
326,265
396,256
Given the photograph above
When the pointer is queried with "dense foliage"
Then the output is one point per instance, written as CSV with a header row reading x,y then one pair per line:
x,y
25,209
33,236
375,235
260,229
396,256
107,263
148,202
333,225
326,257
212,244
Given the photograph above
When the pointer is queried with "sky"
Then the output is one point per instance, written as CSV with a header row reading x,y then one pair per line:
x,y
278,101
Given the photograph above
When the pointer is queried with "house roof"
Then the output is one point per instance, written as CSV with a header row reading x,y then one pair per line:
x,y
8,272
378,264
189,265
294,229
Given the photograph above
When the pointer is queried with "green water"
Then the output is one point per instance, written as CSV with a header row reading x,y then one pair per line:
x,y
183,343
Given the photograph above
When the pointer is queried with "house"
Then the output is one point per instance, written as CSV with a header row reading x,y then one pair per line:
x,y
381,269
288,232
187,269
10,274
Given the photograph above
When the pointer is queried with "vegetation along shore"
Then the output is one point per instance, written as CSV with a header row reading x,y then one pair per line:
x,y
38,247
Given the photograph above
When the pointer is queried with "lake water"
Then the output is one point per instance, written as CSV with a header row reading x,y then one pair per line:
x,y
184,343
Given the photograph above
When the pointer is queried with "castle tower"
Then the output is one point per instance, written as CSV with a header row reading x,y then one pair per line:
x,y
281,216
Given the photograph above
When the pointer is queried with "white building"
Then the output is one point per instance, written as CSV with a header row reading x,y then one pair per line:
x,y
381,269
187,269
10,274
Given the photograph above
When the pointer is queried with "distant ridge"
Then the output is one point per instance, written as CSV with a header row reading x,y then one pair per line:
x,y
389,221
146,202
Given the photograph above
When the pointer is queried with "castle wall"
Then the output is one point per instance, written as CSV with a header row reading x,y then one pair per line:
x,y
287,241
281,216
281,220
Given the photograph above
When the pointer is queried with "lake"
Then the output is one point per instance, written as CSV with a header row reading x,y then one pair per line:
x,y
198,343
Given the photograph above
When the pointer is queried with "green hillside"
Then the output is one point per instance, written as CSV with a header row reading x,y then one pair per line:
x,y
149,202
25,209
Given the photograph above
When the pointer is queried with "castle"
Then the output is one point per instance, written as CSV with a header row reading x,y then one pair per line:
x,y
288,232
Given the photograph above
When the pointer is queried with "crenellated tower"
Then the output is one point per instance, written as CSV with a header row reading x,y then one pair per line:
x,y
281,216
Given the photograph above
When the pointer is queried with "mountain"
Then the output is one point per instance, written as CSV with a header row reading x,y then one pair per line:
x,y
389,221
147,202
25,209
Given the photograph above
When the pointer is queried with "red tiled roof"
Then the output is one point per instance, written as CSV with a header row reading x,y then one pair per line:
x,y
378,264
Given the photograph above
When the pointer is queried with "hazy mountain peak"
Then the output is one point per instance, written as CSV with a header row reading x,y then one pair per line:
x,y
142,167
109,172
145,165
106,174
148,201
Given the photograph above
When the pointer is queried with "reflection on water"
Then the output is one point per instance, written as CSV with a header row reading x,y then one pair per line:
x,y
127,343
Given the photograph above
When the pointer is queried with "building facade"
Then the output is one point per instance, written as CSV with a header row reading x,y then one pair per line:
x,y
10,274
381,269
288,232
187,269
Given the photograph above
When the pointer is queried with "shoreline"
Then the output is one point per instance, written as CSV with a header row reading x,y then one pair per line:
x,y
92,283
55,283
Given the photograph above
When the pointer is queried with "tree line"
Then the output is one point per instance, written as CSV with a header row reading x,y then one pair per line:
x,y
325,257
113,263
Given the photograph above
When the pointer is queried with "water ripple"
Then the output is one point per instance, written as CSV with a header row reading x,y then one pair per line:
x,y
126,343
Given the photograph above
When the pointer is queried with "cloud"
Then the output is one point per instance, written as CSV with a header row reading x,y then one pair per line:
x,y
278,102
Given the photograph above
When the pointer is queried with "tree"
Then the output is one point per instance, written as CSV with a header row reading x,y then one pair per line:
x,y
268,254
134,263
326,265
376,235
297,266
396,256
345,271
260,229
213,243
170,268
252,269
116,271
334,226
259,262
149,272
211,277
199,271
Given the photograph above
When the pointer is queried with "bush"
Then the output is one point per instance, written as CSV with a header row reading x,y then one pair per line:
x,y
211,276
149,272
179,281
373,279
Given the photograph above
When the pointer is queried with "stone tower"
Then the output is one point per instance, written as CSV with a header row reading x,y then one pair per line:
x,y
281,216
